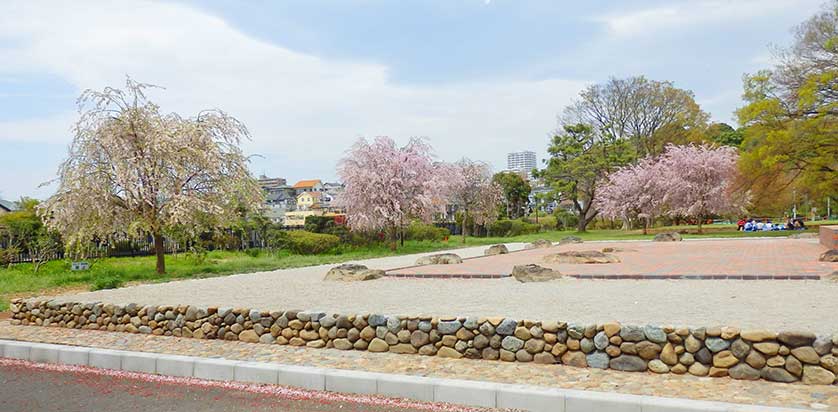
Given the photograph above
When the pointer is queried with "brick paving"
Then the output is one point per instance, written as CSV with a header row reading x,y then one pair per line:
x,y
731,259
676,386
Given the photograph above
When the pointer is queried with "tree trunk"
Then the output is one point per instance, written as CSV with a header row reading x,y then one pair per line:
x,y
582,225
160,253
700,231
465,223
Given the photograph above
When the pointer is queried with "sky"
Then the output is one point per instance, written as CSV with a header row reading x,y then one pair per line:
x,y
478,78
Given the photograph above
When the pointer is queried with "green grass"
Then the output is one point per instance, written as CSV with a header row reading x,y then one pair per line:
x,y
20,280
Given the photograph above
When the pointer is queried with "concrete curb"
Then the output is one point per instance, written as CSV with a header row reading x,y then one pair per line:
x,y
470,393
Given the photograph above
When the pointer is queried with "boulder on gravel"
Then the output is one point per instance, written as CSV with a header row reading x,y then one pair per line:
x,y
616,250
439,259
829,256
539,244
534,273
350,272
581,256
667,237
496,250
570,239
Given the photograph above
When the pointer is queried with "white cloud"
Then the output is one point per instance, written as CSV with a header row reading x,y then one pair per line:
x,y
698,13
299,105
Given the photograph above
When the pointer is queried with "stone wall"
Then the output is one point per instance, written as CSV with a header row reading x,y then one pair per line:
x,y
787,356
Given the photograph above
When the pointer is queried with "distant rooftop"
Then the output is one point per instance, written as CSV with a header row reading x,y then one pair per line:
x,y
302,184
8,205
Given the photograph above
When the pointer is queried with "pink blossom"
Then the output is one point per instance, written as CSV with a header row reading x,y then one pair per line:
x,y
387,185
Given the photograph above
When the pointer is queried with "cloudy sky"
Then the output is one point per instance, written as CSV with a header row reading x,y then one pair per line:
x,y
479,78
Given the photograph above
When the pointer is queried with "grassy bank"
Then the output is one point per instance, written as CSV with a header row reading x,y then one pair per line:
x,y
56,276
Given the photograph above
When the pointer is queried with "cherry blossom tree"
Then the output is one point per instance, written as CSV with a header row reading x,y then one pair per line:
x,y
634,192
387,185
132,169
684,180
474,192
699,181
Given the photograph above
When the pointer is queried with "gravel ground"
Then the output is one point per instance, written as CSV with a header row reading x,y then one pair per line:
x,y
778,305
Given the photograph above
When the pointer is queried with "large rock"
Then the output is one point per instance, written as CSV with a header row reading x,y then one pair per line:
x,y
777,375
534,273
506,326
539,244
350,272
628,363
657,366
598,360
249,336
512,343
570,239
757,335
716,344
668,237
647,350
796,338
614,249
654,334
631,333
815,375
574,358
829,256
743,371
581,257
439,259
806,354
378,345
496,250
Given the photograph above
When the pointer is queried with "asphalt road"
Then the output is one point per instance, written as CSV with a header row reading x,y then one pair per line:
x,y
25,387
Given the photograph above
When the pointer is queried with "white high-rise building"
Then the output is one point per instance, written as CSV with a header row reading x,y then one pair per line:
x,y
521,162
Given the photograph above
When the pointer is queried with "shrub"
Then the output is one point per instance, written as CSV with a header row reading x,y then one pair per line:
x,y
276,238
423,231
318,224
9,255
565,219
106,282
307,243
253,252
506,227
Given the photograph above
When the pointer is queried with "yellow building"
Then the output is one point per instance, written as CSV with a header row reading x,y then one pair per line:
x,y
298,218
308,200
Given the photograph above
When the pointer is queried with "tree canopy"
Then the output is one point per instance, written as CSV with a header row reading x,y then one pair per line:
x,y
579,162
516,193
648,113
132,169
791,116
474,192
387,186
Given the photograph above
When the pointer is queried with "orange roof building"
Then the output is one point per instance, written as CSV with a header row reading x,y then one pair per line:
x,y
307,184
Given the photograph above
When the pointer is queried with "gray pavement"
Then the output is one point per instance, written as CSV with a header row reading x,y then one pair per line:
x,y
31,389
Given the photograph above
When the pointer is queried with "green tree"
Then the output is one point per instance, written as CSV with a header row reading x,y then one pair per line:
x,y
791,117
725,135
515,191
579,163
21,228
648,113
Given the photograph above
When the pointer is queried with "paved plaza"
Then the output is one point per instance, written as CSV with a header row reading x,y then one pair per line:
x,y
775,304
731,259
558,376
